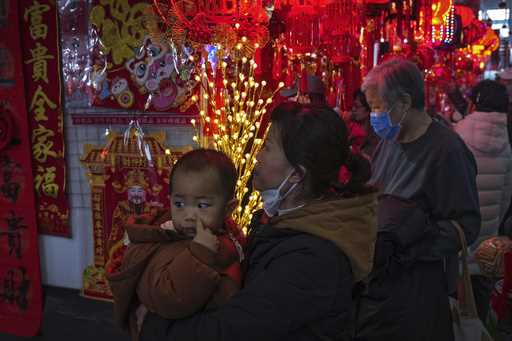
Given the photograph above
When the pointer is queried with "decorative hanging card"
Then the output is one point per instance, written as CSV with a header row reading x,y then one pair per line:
x,y
131,68
20,278
128,176
39,24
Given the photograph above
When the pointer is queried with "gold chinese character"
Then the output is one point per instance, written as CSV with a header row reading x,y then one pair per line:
x,y
37,29
41,147
46,179
39,67
38,104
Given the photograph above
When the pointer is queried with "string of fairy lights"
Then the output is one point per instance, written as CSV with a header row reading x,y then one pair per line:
x,y
232,104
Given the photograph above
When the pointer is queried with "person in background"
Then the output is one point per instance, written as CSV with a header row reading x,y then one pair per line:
x,y
505,78
485,132
456,98
360,115
307,249
426,177
190,263
310,91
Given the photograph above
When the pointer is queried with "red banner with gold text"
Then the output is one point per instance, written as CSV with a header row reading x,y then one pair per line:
x,y
20,277
39,22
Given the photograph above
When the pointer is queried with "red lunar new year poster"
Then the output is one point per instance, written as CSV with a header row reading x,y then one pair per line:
x,y
39,30
133,69
20,277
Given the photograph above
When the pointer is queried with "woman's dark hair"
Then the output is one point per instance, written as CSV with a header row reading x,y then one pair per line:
x,y
208,159
316,138
490,96
359,95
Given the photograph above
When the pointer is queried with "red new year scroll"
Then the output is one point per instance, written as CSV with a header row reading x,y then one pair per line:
x,y
43,91
20,278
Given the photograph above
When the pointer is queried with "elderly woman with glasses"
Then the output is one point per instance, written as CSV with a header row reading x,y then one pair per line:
x,y
426,178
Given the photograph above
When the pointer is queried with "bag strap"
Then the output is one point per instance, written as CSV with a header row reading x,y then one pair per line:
x,y
467,305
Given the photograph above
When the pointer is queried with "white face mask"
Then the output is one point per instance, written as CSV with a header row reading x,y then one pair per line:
x,y
272,198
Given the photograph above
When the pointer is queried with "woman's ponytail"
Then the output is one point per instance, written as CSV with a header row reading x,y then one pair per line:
x,y
354,175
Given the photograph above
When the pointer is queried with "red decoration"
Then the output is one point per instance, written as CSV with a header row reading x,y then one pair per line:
x,y
474,31
20,292
302,30
42,70
123,184
466,14
443,23
6,128
210,22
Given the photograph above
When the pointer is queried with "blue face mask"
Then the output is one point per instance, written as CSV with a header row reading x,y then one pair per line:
x,y
382,125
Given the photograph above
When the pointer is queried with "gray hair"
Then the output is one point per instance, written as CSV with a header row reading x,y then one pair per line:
x,y
396,78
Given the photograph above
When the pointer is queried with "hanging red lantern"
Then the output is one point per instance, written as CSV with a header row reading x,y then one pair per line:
x,y
466,14
474,32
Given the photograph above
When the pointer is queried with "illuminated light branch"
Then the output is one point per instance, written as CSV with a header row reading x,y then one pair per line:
x,y
232,104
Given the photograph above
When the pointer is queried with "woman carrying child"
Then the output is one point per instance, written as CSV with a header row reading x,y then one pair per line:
x,y
307,249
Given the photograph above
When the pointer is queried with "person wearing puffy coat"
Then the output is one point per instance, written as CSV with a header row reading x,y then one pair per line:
x,y
485,133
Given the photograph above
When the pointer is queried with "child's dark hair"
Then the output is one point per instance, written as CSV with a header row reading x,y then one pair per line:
x,y
205,159
316,138
490,96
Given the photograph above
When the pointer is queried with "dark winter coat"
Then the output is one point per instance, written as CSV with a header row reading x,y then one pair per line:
x,y
300,272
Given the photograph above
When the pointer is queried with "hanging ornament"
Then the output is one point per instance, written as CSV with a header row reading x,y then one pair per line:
x,y
443,23
303,30
211,22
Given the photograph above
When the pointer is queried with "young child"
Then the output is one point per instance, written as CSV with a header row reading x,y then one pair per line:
x,y
179,267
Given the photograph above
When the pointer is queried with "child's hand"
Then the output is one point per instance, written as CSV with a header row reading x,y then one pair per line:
x,y
168,225
205,237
